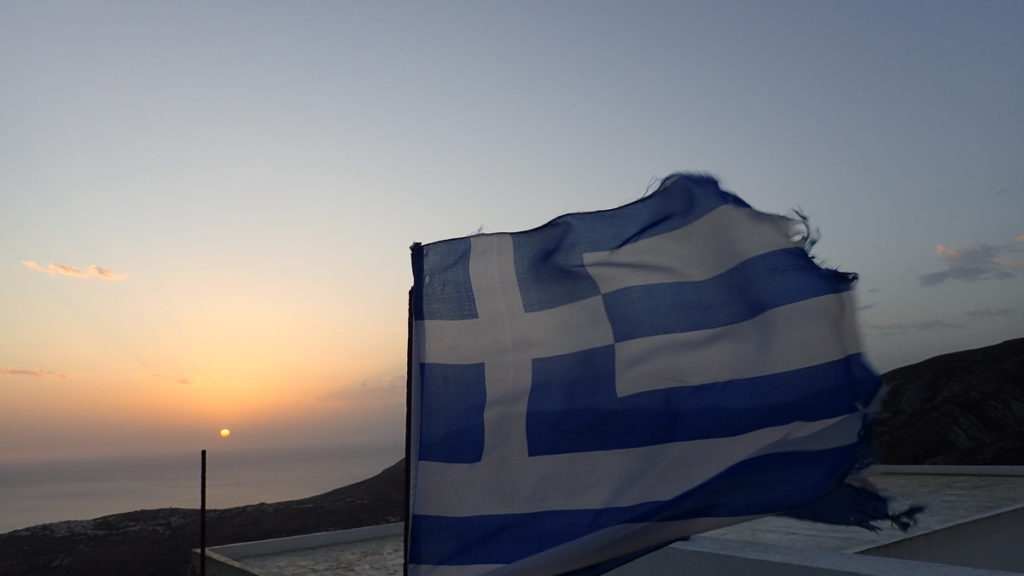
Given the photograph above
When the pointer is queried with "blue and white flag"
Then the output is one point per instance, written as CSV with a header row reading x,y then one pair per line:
x,y
595,388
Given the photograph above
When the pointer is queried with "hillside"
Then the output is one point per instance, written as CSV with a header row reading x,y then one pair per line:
x,y
157,542
960,408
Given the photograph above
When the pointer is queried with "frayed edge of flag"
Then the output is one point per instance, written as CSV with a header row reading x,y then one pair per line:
x,y
904,520
697,177
856,503
803,233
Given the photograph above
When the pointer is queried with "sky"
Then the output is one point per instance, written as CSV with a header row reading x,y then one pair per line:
x,y
206,207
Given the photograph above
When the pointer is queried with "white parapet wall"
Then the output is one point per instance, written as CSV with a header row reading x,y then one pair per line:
x,y
994,541
318,540
230,559
706,556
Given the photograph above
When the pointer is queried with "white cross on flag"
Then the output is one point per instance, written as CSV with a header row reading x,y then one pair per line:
x,y
592,389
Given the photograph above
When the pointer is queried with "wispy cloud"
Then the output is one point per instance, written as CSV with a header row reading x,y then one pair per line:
x,y
54,269
182,380
388,389
106,273
979,262
991,312
31,372
1019,238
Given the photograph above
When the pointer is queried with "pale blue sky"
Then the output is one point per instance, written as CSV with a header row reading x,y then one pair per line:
x,y
258,170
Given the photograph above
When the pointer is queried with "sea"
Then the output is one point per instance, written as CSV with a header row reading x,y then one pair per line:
x,y
42,492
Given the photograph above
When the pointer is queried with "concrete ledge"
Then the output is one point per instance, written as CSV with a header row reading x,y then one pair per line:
x,y
226,560
706,556
217,565
991,541
291,543
945,470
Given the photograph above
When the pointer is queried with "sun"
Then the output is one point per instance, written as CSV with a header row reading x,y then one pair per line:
x,y
224,432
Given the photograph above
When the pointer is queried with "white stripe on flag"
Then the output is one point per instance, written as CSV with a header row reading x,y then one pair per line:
x,y
707,247
647,474
786,338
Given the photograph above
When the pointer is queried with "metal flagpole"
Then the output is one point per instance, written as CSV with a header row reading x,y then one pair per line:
x,y
408,431
202,517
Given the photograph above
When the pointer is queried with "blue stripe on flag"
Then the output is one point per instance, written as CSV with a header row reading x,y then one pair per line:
x,y
573,395
794,477
549,259
452,419
781,277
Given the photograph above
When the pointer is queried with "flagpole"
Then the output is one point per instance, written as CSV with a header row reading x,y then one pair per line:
x,y
408,425
202,516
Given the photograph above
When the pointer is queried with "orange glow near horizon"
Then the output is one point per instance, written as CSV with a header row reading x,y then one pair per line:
x,y
171,359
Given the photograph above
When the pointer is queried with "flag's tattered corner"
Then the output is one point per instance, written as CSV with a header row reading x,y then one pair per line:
x,y
597,387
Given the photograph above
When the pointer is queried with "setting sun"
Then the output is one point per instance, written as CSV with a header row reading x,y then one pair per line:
x,y
224,432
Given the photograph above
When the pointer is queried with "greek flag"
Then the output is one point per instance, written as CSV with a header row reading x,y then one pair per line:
x,y
590,390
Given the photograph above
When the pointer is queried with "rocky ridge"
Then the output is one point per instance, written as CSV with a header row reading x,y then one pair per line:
x,y
960,408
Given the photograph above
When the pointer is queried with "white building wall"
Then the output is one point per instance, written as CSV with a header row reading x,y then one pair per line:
x,y
705,556
994,541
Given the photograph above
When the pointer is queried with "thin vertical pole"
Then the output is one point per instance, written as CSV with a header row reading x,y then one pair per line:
x,y
417,267
202,518
407,513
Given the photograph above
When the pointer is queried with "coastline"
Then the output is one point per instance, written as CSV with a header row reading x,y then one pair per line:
x,y
42,492
157,542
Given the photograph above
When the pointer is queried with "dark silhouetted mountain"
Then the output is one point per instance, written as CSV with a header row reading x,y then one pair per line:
x,y
960,408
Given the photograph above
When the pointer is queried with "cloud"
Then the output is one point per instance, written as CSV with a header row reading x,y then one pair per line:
x,y
890,328
991,312
1019,238
979,262
183,380
67,270
32,266
106,273
30,372
93,271
373,391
